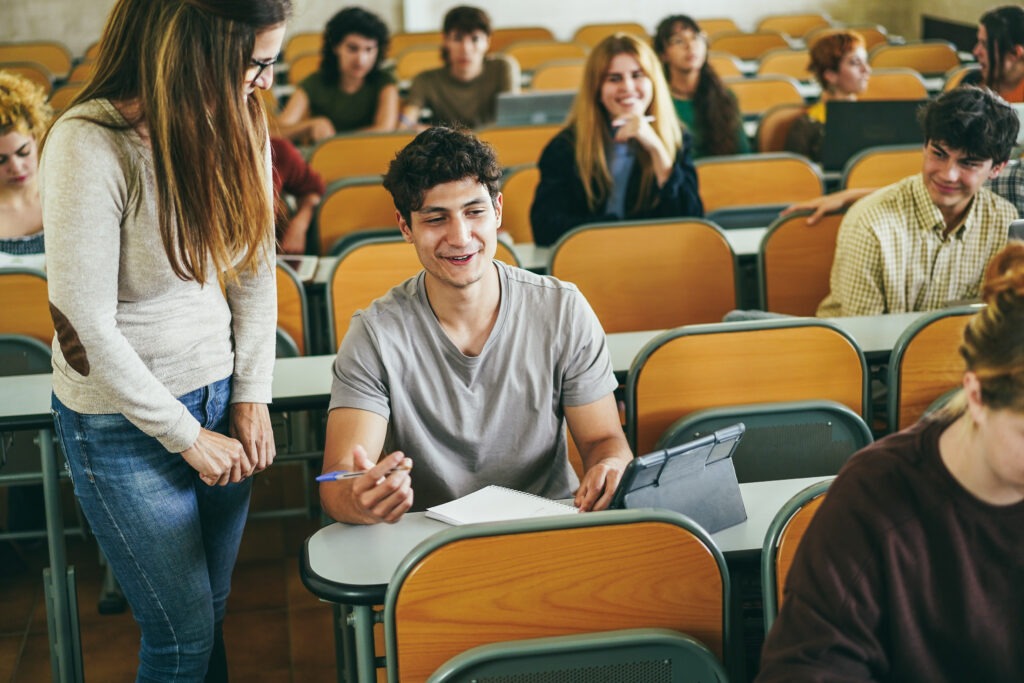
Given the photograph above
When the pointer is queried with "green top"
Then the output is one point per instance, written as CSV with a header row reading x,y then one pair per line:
x,y
688,115
346,111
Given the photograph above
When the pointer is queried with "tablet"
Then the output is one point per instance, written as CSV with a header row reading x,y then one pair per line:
x,y
696,478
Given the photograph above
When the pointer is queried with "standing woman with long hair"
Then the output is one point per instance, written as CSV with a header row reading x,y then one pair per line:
x,y
622,154
702,101
1000,51
157,200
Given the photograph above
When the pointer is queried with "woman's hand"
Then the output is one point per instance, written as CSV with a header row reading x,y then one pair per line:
x,y
638,127
250,424
217,458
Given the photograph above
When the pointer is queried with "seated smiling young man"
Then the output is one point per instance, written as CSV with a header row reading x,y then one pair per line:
x,y
923,243
471,369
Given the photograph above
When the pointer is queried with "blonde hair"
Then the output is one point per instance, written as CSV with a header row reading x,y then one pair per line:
x,y
23,107
183,62
590,122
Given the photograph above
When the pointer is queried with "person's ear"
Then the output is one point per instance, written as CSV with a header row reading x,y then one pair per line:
x,y
972,393
498,202
831,76
403,226
996,170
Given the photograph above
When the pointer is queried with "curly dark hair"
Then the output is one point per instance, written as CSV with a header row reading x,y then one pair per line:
x,y
716,111
347,21
973,120
436,156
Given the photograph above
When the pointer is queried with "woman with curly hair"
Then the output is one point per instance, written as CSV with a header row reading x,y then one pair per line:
x,y
702,101
350,91
24,116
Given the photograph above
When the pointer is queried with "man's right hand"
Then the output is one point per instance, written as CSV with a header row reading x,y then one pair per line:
x,y
380,495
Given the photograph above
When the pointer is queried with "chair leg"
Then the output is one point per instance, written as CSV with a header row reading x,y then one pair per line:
x,y
111,600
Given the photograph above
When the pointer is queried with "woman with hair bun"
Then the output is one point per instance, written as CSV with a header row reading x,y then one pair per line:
x,y
24,116
913,567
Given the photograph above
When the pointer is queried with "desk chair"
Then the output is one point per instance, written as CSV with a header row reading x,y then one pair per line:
x,y
881,166
93,51
415,60
718,25
402,41
895,83
780,544
709,366
785,440
756,179
873,34
785,62
759,94
61,96
929,57
518,185
292,310
957,75
773,126
503,37
559,74
794,262
649,275
725,64
592,34
31,71
353,155
553,576
82,71
794,25
637,655
26,304
303,65
51,54
517,145
925,363
747,45
532,53
352,205
304,42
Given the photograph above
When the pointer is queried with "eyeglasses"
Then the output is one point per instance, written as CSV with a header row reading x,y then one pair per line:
x,y
260,67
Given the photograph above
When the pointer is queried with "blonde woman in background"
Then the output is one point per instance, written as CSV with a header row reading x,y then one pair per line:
x,y
24,116
623,154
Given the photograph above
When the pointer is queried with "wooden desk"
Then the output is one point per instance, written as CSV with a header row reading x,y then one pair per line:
x,y
352,565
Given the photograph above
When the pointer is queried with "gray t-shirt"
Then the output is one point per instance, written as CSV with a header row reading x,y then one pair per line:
x,y
471,103
496,418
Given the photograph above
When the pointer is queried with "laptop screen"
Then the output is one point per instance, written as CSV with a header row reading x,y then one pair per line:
x,y
852,127
535,108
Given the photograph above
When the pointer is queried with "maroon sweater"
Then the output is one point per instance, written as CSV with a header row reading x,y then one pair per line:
x,y
903,576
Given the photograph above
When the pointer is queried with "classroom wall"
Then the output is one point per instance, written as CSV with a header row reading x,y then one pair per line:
x,y
79,22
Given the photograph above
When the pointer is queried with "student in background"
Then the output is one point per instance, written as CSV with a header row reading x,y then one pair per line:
x,y
158,206
24,116
839,61
350,91
465,90
1000,51
623,154
294,178
911,568
703,103
425,373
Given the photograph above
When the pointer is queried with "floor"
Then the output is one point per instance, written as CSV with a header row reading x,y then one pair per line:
x,y
275,630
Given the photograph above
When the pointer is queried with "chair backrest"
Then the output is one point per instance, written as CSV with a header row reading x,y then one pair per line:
x,y
82,71
794,25
353,205
592,34
925,363
785,62
750,179
303,65
773,126
51,54
400,42
532,53
93,51
636,655
516,145
895,83
649,275
518,186
881,166
718,25
725,64
785,440
929,57
367,270
780,543
747,45
710,366
62,96
561,74
417,59
21,355
357,154
760,93
957,75
285,345
550,577
302,43
292,311
794,263
26,304
31,71
873,34
503,37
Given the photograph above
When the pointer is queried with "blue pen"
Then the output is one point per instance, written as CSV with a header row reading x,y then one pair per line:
x,y
345,474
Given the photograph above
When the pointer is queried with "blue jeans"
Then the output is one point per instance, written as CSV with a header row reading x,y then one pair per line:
x,y
170,539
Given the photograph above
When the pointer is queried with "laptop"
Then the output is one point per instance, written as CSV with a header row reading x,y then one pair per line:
x,y
696,478
851,127
534,108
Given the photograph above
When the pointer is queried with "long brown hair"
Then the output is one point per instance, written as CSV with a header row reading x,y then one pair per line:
x,y
182,63
589,120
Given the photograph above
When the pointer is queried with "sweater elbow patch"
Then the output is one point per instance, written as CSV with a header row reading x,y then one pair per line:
x,y
70,345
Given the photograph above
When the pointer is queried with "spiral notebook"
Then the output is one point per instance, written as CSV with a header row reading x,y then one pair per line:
x,y
496,504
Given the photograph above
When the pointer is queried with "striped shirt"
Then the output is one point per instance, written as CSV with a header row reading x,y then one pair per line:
x,y
891,255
